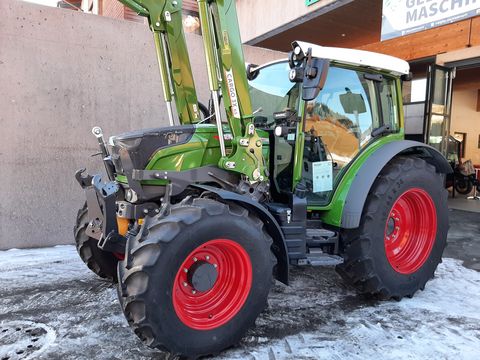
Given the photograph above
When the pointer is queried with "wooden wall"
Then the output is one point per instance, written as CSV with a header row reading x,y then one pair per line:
x,y
427,43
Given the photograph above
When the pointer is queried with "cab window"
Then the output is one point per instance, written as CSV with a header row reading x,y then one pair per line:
x,y
339,124
272,91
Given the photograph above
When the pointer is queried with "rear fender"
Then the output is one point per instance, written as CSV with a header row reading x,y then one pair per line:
x,y
365,177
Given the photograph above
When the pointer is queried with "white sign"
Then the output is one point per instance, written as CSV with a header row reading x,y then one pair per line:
x,y
232,93
403,17
322,176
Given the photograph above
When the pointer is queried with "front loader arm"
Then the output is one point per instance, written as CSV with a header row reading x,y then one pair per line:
x,y
226,73
226,70
165,19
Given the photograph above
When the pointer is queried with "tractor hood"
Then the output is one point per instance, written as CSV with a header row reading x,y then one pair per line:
x,y
139,146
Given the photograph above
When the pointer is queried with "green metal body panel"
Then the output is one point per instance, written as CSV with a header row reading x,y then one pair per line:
x,y
299,146
201,150
165,18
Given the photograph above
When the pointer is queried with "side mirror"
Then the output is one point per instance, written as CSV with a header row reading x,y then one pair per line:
x,y
314,78
312,72
252,72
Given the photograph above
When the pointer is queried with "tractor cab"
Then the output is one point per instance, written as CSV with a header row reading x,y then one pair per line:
x,y
316,140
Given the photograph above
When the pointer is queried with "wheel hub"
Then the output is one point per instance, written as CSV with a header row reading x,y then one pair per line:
x,y
212,284
202,276
410,231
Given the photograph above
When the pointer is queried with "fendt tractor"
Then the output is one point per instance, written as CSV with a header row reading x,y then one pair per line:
x,y
306,159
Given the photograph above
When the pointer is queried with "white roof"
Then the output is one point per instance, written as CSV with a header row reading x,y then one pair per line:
x,y
377,61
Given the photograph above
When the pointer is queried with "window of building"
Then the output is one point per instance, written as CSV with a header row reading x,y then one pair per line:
x,y
418,91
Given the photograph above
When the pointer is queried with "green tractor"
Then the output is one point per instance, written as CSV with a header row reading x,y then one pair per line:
x,y
198,218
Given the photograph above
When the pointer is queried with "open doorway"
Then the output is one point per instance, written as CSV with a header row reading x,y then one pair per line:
x,y
442,109
443,101
465,114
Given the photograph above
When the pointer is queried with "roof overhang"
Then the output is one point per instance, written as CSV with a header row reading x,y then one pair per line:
x,y
354,57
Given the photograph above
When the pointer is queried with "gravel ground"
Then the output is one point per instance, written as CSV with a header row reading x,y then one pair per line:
x,y
53,307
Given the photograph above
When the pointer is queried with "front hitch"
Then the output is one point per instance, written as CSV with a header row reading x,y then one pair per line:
x,y
102,211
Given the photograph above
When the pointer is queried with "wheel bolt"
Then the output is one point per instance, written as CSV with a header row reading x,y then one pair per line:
x,y
185,284
215,265
194,292
207,257
195,259
185,270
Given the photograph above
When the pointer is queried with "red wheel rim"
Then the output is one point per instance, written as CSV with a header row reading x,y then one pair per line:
x,y
207,310
410,231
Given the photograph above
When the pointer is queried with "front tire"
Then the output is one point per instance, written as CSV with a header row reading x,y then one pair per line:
x,y
402,232
193,282
102,263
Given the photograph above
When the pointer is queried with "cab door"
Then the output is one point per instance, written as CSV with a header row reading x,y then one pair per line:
x,y
345,118
438,107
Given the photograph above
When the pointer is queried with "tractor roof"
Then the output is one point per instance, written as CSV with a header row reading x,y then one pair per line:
x,y
363,58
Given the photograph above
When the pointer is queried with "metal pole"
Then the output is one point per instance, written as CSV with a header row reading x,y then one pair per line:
x,y
218,119
170,112
165,75
208,45
165,55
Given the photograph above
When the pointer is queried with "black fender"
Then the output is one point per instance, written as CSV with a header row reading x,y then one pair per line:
x,y
365,177
273,228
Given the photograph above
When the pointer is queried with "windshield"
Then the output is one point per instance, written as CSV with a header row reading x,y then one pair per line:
x,y
272,91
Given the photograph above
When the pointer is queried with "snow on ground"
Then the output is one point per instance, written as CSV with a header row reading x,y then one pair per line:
x,y
50,295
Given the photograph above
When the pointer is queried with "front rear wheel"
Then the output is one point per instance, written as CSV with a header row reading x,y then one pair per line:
x,y
193,282
402,233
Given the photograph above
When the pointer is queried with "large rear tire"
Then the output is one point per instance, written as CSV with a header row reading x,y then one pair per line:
x,y
102,263
193,282
402,233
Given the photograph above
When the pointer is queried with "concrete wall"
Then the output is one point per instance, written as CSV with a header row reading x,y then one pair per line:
x,y
61,73
279,15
